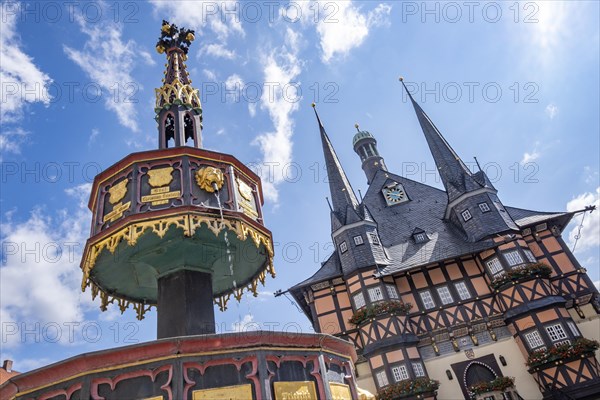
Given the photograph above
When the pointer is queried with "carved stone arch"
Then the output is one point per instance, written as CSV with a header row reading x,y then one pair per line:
x,y
478,370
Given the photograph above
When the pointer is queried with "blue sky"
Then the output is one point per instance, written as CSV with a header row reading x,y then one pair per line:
x,y
514,84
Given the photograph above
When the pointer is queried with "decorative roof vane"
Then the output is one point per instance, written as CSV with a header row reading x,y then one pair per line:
x,y
172,36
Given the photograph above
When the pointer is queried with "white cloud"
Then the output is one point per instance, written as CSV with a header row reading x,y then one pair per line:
x,y
343,27
109,60
252,109
12,139
281,67
234,82
551,110
530,157
246,324
210,75
21,80
218,50
40,267
93,136
590,233
223,18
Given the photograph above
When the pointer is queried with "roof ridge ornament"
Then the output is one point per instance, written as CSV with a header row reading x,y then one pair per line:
x,y
172,37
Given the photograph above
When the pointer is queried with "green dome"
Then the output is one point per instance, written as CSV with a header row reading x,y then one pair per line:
x,y
361,135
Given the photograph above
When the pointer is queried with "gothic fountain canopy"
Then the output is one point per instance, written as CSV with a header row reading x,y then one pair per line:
x,y
176,208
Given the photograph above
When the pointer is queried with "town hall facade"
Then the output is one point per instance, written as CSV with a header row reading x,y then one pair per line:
x,y
450,291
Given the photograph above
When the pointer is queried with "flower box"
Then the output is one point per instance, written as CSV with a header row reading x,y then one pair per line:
x,y
408,388
527,271
499,384
561,353
386,307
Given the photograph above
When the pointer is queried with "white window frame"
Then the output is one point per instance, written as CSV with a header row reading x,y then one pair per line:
x,y
392,292
559,343
466,215
484,207
534,340
494,266
358,240
529,255
427,299
374,239
359,300
375,294
573,328
463,290
382,379
343,247
556,332
418,369
421,237
400,373
445,295
513,258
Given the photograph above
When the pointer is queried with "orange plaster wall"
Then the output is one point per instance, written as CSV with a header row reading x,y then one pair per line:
x,y
471,267
436,276
551,244
343,299
548,315
403,285
355,287
329,324
412,352
563,262
419,280
524,323
376,362
535,249
453,271
346,315
394,356
481,286
324,304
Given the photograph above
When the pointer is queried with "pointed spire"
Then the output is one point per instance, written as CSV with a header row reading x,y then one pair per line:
x,y
456,176
178,108
342,195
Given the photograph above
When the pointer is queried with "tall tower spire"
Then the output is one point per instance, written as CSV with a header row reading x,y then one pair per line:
x,y
456,176
473,204
178,109
365,145
342,195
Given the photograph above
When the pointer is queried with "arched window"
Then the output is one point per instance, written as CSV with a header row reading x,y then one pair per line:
x,y
169,130
188,128
477,373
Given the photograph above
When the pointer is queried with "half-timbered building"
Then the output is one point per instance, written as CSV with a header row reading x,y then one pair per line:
x,y
452,285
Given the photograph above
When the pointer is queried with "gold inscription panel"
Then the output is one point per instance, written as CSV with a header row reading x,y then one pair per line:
x,y
295,390
117,212
339,391
238,392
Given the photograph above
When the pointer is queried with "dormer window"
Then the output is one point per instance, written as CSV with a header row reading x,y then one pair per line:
x,y
421,237
358,240
373,238
484,207
466,215
343,247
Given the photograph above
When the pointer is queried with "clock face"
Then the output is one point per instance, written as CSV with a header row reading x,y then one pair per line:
x,y
394,194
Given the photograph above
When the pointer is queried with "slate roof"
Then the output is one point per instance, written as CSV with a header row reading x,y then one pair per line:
x,y
425,211
342,195
456,176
